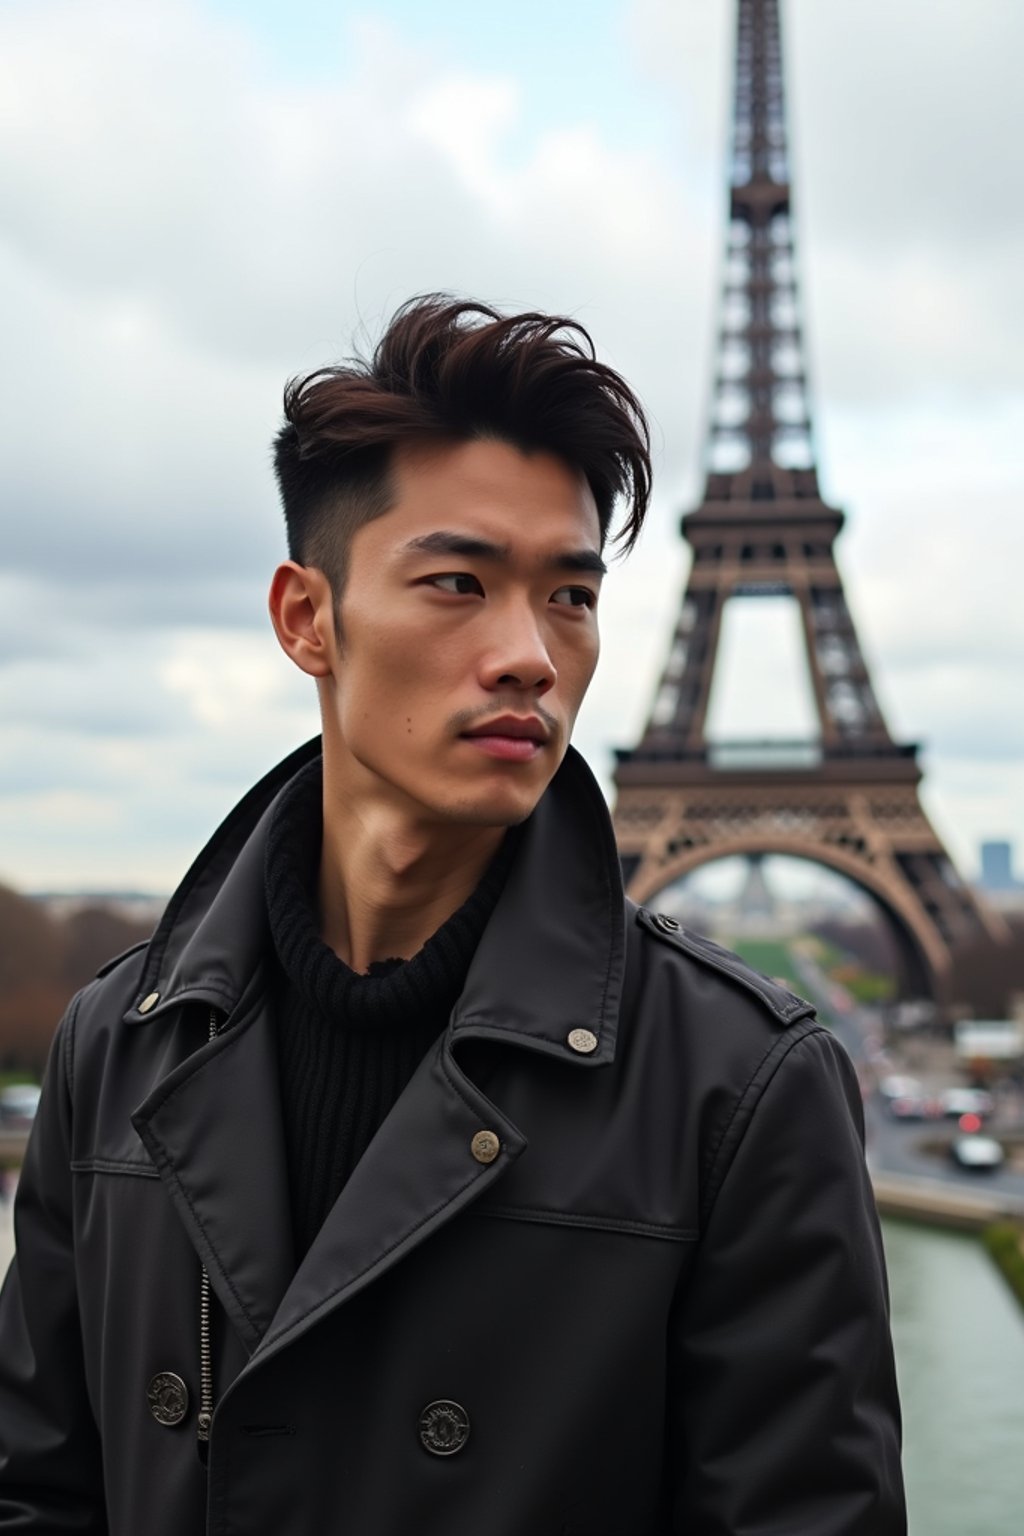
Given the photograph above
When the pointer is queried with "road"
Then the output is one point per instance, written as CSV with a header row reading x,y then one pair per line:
x,y
897,1147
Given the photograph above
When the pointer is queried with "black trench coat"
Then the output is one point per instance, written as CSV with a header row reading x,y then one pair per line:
x,y
660,1308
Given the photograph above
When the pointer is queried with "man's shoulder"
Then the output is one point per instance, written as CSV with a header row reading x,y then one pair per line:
x,y
117,961
705,1036
98,1009
694,955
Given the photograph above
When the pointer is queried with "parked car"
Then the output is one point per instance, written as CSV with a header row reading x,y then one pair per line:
x,y
966,1101
898,1086
18,1105
978,1153
918,1106
906,1099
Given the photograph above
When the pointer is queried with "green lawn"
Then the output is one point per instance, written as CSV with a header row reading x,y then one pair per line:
x,y
772,957
9,1079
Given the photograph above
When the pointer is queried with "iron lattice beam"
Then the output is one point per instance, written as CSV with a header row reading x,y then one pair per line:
x,y
849,798
759,435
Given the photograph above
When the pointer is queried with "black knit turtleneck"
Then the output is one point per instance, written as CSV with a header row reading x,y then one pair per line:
x,y
347,1043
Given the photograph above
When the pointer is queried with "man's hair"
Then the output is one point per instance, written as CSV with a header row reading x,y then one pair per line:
x,y
448,370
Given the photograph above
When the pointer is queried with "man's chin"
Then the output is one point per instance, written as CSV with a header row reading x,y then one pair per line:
x,y
489,813
493,805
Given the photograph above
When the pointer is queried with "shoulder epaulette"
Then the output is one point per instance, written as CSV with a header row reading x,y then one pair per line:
x,y
112,964
786,1006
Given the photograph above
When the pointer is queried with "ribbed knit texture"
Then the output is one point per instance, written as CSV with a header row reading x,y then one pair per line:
x,y
349,1043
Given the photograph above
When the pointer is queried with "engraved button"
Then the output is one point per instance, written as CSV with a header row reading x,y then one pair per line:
x,y
583,1040
485,1146
444,1427
167,1396
667,924
149,1001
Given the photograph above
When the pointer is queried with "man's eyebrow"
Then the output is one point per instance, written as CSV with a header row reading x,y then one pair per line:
x,y
583,560
444,543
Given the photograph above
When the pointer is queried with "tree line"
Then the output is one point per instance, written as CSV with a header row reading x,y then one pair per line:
x,y
44,960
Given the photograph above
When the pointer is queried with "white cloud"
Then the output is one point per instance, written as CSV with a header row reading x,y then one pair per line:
x,y
184,226
236,683
465,120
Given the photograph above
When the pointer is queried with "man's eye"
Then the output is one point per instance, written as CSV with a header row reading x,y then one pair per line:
x,y
460,582
574,597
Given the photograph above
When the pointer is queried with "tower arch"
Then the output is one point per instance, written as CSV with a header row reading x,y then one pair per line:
x,y
921,964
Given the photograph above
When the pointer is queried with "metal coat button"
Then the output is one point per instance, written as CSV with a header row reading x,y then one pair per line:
x,y
667,924
582,1040
444,1427
149,1001
167,1396
485,1146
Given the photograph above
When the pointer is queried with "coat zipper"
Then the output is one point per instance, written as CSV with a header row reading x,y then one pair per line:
x,y
205,1417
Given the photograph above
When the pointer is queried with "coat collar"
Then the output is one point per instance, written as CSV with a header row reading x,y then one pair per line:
x,y
550,962
208,943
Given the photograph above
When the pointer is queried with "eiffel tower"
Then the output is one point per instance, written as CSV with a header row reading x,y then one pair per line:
x,y
847,799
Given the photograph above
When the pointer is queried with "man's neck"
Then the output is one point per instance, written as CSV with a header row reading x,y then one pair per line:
x,y
388,882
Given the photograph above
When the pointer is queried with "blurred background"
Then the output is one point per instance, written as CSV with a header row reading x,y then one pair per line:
x,y
200,198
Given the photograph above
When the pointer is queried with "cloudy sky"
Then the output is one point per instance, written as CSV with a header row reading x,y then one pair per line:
x,y
199,198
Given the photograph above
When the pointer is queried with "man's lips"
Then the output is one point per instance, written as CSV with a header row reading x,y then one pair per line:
x,y
516,738
521,727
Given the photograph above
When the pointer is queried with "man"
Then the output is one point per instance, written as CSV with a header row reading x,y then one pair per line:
x,y
410,1180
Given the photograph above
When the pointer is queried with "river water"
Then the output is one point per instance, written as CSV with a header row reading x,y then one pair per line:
x,y
960,1356
959,1338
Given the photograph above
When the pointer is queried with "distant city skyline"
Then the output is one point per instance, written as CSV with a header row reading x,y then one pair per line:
x,y
800,877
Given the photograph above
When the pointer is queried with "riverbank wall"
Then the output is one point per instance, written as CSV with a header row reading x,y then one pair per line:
x,y
941,1203
998,1223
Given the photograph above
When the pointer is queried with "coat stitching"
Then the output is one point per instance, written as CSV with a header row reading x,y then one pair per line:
x,y
597,823
165,1162
192,991
114,1165
234,1033
745,1106
615,1224
69,1047
159,1157
717,959
384,1253
250,809
779,1048
454,1085
377,1260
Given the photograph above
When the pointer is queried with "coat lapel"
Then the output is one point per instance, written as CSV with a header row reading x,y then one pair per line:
x,y
417,1173
551,961
213,1130
547,973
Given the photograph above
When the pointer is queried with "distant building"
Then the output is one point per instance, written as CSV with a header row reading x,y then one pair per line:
x,y
989,1042
997,867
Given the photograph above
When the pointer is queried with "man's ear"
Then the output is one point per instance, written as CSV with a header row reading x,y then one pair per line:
x,y
302,612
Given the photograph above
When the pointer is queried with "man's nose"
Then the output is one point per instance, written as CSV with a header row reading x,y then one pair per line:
x,y
518,657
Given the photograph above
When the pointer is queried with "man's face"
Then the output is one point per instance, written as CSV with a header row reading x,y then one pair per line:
x,y
468,634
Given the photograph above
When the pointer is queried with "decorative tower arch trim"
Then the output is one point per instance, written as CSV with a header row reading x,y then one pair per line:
x,y
885,887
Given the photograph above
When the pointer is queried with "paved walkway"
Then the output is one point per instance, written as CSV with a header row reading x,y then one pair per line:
x,y
6,1236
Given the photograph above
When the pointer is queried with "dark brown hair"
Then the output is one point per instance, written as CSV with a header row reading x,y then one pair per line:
x,y
456,370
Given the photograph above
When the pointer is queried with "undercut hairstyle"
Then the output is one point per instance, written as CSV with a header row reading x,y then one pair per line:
x,y
449,370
